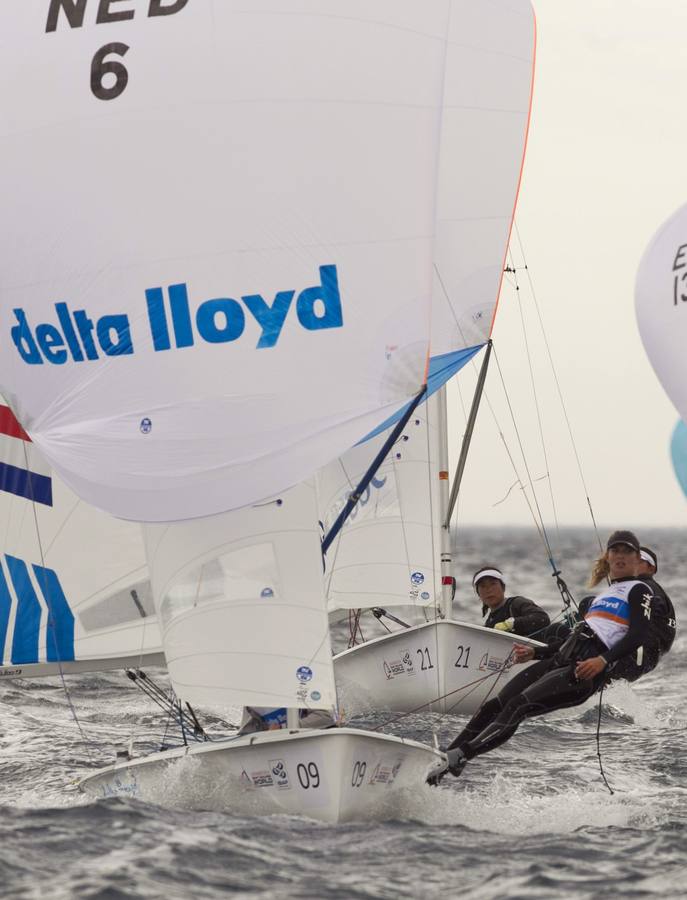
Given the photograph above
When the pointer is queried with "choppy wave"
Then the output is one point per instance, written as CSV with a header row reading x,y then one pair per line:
x,y
533,819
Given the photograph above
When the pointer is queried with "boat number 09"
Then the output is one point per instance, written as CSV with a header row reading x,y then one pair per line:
x,y
358,776
425,659
309,776
461,663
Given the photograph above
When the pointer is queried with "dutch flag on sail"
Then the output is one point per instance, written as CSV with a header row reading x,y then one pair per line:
x,y
22,472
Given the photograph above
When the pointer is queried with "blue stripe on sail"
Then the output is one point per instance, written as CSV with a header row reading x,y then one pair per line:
x,y
5,606
441,368
25,483
60,635
27,622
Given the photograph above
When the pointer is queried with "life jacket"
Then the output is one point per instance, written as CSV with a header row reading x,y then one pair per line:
x,y
662,623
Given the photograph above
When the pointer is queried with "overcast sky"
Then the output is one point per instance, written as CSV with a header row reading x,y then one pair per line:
x,y
606,164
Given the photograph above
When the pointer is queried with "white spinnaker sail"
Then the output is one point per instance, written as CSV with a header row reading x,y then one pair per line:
x,y
240,604
486,109
74,587
661,306
223,278
387,552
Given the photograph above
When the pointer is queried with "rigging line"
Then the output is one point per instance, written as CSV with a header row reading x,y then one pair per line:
x,y
500,433
498,674
543,532
462,403
558,389
536,405
141,650
514,485
598,741
514,467
46,593
410,712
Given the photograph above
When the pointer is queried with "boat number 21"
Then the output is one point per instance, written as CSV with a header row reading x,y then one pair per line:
x,y
425,659
462,657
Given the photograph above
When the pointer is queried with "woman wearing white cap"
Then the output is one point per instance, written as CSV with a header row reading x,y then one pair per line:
x,y
615,624
514,614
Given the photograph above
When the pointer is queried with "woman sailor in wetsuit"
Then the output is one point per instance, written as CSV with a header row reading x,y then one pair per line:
x,y
568,672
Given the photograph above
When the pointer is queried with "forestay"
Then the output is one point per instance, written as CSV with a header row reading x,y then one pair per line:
x,y
240,604
223,277
661,306
74,588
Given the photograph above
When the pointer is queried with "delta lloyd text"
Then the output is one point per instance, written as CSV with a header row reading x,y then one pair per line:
x,y
175,321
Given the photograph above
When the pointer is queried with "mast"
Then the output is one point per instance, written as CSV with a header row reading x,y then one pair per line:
x,y
460,468
447,581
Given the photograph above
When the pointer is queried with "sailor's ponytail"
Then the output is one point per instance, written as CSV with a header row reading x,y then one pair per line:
x,y
600,571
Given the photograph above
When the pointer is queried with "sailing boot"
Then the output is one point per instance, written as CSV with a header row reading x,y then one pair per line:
x,y
457,761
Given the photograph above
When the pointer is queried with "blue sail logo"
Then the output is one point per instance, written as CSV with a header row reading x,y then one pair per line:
x,y
175,322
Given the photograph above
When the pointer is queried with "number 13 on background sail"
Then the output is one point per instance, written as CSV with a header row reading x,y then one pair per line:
x,y
216,268
661,306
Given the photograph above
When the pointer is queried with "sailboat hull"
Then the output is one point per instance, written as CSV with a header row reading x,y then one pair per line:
x,y
333,775
441,666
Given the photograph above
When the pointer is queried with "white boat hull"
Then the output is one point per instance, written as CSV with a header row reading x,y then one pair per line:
x,y
441,666
333,775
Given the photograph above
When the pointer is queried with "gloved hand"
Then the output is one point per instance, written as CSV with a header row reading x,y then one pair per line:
x,y
504,626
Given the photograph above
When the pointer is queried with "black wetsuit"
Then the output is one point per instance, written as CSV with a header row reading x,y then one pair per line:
x,y
550,683
528,618
662,627
659,640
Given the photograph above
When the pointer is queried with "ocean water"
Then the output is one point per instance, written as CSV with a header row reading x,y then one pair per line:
x,y
532,819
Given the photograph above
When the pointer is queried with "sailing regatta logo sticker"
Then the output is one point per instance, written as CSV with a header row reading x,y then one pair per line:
x,y
281,776
315,695
146,426
266,592
417,578
303,674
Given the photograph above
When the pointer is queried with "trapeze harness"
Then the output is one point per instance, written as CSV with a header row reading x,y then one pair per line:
x,y
615,624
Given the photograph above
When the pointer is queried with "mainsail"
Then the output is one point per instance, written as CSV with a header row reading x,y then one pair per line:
x,y
387,552
74,589
240,605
